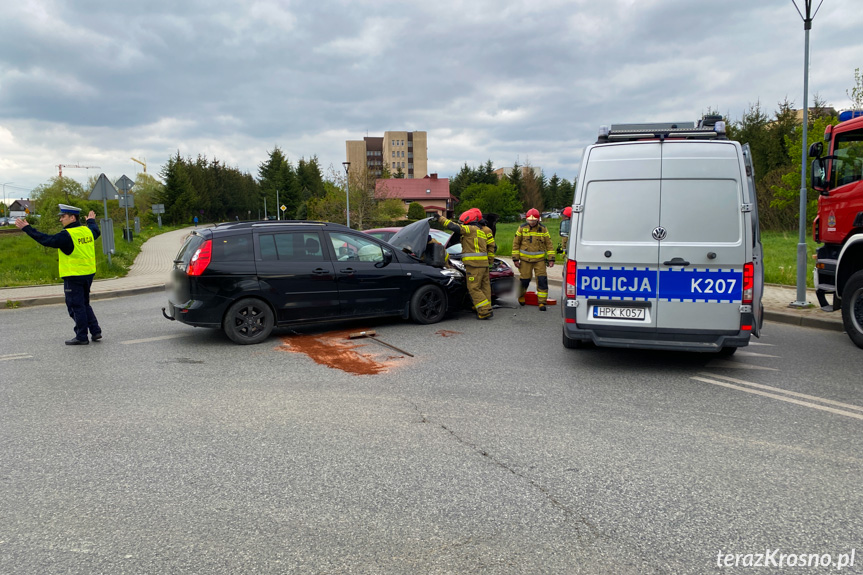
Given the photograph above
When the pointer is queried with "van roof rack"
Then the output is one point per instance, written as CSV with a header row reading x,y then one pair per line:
x,y
710,127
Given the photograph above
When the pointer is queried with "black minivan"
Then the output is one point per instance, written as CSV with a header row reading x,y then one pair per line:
x,y
249,277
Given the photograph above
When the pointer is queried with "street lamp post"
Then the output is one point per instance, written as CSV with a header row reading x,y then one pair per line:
x,y
347,166
5,207
801,245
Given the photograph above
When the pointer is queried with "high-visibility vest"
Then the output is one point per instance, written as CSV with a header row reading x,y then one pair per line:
x,y
82,260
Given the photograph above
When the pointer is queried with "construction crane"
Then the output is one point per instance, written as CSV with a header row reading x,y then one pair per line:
x,y
140,162
61,166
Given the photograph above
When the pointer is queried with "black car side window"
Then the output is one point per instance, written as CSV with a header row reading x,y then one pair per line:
x,y
292,247
350,247
233,248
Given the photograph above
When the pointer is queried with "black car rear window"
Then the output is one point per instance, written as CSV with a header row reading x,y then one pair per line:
x,y
190,246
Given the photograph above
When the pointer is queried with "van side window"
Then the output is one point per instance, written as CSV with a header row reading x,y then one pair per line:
x,y
291,246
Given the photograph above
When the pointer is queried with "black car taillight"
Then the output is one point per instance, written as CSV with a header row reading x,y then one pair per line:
x,y
201,259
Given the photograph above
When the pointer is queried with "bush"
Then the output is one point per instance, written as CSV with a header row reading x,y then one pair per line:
x,y
416,211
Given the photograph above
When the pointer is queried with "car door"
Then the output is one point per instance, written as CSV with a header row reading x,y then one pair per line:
x,y
616,253
297,274
702,249
370,280
754,237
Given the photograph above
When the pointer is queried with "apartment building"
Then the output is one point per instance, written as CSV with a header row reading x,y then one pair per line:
x,y
407,151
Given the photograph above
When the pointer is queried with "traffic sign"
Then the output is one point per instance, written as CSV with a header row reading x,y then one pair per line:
x,y
283,207
103,189
124,184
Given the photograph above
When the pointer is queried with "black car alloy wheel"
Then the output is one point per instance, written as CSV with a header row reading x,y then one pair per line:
x,y
428,304
248,321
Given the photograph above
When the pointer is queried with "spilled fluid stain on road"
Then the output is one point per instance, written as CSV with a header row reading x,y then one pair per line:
x,y
333,349
447,333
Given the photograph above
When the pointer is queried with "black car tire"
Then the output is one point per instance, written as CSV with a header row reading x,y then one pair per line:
x,y
428,304
248,321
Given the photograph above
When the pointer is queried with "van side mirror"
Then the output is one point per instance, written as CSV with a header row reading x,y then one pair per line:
x,y
816,149
818,175
565,226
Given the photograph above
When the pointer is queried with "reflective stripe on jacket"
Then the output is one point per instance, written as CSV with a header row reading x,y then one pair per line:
x,y
477,243
82,260
532,245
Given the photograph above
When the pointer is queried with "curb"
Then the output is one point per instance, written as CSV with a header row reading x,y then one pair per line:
x,y
55,299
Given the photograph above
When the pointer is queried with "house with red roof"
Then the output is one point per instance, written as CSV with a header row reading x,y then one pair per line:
x,y
432,192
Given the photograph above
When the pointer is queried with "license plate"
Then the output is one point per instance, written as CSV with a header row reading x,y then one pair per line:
x,y
612,312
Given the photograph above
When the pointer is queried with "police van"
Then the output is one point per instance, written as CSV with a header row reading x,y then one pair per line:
x,y
665,249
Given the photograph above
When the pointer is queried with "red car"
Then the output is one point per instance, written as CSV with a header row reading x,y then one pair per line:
x,y
501,275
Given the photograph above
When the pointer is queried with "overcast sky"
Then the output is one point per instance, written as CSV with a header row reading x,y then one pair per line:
x,y
97,83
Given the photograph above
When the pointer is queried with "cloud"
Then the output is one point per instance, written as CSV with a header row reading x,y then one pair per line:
x,y
82,81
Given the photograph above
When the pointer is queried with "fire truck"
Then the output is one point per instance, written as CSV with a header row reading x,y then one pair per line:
x,y
838,178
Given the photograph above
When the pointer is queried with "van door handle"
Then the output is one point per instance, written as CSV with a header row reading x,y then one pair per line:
x,y
349,271
676,262
321,272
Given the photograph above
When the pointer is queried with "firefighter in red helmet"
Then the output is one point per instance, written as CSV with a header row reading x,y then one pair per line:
x,y
532,251
477,248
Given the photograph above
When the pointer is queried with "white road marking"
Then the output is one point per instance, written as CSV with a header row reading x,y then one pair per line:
x,y
157,338
760,343
786,392
10,356
784,396
730,364
741,353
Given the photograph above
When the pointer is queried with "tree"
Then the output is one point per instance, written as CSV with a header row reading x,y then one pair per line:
x,y
787,190
416,211
531,193
399,173
856,93
500,198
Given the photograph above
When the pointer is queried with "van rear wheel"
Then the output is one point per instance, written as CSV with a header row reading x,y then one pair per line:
x,y
726,351
248,321
570,343
852,308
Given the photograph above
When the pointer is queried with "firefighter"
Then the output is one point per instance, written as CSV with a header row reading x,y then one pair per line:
x,y
477,247
76,245
532,251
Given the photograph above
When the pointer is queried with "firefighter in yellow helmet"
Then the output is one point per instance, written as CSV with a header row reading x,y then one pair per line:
x,y
477,255
532,251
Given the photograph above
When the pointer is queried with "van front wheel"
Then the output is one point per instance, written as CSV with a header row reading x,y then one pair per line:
x,y
852,308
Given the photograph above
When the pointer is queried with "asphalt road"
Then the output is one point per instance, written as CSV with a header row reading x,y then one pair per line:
x,y
167,449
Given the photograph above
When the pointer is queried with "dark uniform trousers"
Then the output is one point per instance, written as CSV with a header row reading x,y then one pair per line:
x,y
526,271
77,292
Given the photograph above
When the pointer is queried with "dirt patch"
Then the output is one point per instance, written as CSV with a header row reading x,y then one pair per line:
x,y
333,349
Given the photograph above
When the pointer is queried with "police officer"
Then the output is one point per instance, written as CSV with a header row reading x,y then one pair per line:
x,y
477,249
532,251
77,258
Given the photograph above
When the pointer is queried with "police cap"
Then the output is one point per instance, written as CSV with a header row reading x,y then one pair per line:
x,y
66,209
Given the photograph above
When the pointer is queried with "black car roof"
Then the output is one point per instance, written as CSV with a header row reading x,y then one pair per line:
x,y
269,224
